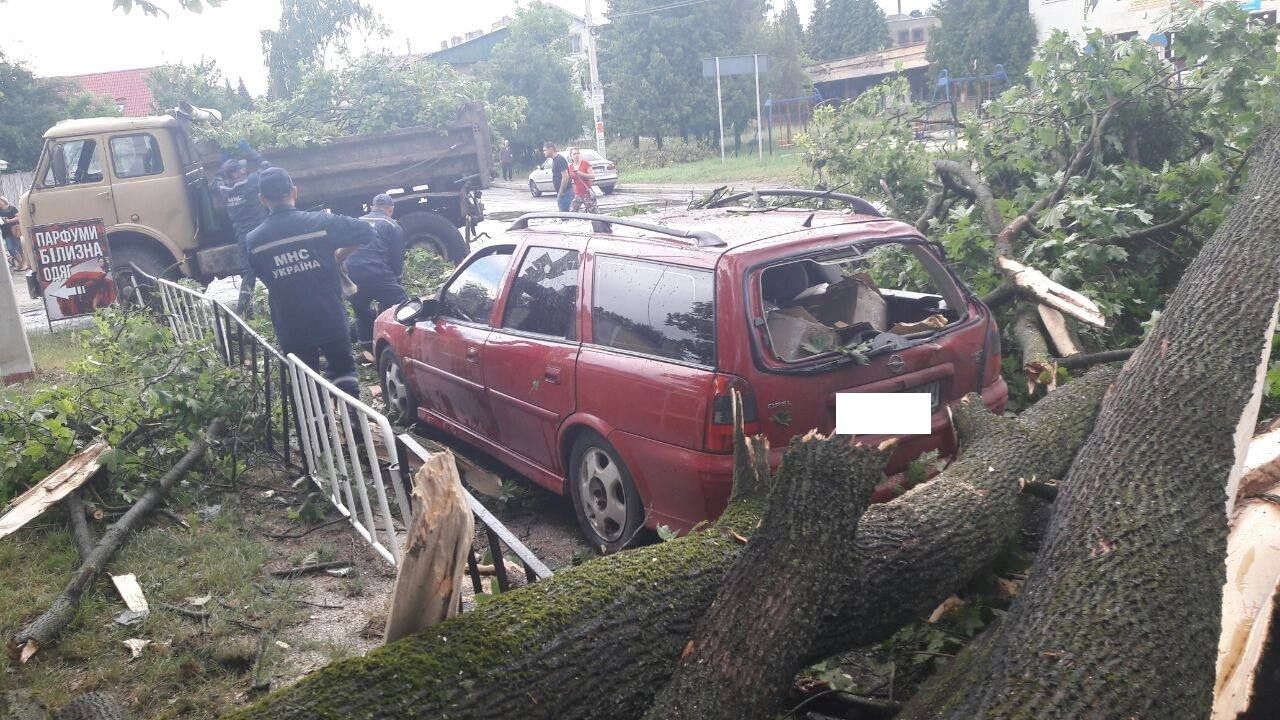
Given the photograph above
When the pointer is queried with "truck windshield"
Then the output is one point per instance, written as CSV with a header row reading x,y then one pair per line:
x,y
72,162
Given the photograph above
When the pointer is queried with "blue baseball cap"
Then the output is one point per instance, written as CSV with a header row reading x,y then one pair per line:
x,y
383,199
275,184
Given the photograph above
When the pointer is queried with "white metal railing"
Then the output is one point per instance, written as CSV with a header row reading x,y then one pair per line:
x,y
338,439
189,312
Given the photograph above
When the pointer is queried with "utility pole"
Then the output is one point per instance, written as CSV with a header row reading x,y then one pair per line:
x,y
719,109
597,92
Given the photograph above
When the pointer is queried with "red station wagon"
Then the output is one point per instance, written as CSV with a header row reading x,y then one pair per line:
x,y
597,356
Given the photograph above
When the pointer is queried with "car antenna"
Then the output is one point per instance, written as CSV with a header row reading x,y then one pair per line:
x,y
808,222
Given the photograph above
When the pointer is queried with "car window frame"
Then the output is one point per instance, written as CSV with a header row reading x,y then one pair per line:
x,y
53,150
508,297
111,155
590,307
487,323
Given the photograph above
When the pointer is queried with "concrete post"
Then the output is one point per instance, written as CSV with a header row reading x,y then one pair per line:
x,y
16,364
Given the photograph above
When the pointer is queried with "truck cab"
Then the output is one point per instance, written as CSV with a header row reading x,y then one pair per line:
x,y
137,175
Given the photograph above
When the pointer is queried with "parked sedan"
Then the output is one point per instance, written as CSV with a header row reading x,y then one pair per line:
x,y
600,359
606,173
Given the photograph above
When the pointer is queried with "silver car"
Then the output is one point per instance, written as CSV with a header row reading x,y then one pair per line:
x,y
606,173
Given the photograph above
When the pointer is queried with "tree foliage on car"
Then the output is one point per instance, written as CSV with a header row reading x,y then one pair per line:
x,y
1158,184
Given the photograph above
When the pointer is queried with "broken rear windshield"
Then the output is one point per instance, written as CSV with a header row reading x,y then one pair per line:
x,y
819,305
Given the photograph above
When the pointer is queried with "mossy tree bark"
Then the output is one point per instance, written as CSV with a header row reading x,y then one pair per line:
x,y
1121,615
601,639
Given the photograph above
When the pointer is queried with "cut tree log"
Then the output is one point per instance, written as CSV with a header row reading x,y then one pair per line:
x,y
1122,611
44,629
747,648
1059,332
75,472
600,639
1035,284
429,581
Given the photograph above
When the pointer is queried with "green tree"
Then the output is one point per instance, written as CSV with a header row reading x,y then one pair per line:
x,y
29,106
847,28
532,63
786,77
308,30
200,83
651,57
976,35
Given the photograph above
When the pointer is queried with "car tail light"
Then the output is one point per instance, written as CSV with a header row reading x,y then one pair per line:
x,y
610,166
719,438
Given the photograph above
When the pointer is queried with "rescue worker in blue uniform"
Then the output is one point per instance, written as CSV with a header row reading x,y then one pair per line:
x,y
298,255
376,268
237,185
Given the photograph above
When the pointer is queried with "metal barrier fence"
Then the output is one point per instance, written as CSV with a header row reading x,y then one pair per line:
x,y
338,441
347,448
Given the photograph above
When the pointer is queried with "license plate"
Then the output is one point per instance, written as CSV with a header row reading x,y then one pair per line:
x,y
935,393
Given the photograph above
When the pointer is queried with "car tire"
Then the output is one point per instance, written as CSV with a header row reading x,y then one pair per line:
x,y
151,261
396,391
605,500
435,233
533,189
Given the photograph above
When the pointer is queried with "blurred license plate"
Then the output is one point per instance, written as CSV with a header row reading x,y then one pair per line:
x,y
935,393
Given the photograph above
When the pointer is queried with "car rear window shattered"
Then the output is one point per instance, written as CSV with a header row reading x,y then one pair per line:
x,y
883,297
666,311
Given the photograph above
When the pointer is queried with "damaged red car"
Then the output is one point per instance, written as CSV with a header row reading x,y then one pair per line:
x,y
597,356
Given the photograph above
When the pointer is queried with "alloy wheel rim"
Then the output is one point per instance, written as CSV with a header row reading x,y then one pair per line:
x,y
602,494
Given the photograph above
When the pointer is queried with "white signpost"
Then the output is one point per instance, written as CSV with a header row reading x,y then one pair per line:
x,y
737,65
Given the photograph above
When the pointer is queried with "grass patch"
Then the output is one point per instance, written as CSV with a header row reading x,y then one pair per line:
x,y
55,351
777,169
186,671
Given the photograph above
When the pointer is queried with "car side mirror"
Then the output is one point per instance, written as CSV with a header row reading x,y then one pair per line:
x,y
412,309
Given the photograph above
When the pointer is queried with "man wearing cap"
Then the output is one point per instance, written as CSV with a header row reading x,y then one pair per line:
x,y
376,268
298,256
238,188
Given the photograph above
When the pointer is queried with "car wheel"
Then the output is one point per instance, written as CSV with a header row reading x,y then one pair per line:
x,y
533,189
435,233
604,498
395,388
149,260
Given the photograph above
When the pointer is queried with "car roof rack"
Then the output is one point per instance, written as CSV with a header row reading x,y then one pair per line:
x,y
853,201
605,223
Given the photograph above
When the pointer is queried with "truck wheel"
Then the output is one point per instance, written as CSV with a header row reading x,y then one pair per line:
x,y
153,262
436,234
533,189
604,498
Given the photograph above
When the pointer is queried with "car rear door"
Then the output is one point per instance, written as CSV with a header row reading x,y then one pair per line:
x,y
446,359
531,358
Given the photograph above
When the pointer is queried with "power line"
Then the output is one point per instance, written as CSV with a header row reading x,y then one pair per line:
x,y
660,8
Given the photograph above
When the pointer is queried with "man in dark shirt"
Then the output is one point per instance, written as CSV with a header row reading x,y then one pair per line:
x,y
237,185
559,176
8,221
376,268
297,255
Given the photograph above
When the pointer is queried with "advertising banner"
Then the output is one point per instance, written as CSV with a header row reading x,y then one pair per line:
x,y
73,267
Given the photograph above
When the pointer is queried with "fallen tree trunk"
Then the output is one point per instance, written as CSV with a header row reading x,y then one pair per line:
x,y
45,628
600,639
1121,615
748,647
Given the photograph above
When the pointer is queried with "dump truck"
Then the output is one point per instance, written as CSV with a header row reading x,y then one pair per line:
x,y
138,191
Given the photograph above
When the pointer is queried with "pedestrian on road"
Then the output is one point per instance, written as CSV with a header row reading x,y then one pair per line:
x,y
12,241
376,268
237,186
297,255
504,157
559,176
584,180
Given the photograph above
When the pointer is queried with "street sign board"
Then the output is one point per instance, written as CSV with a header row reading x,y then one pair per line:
x,y
73,267
734,65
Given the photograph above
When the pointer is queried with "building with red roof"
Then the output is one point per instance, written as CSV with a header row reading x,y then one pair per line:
x,y
127,89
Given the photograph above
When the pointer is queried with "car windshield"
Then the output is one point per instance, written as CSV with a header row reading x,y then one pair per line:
x,y
822,304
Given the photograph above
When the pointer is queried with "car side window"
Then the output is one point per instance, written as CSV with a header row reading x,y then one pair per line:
x,y
135,156
663,310
544,294
73,162
471,295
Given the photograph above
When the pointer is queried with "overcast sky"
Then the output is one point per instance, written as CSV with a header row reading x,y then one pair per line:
x,y
71,37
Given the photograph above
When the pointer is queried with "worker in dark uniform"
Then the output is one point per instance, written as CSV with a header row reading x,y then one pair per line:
x,y
376,268
297,255
237,185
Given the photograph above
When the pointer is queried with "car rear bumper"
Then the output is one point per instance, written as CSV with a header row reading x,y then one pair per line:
x,y
683,487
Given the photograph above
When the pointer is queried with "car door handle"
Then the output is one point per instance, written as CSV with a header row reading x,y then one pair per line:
x,y
105,193
473,355
552,375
